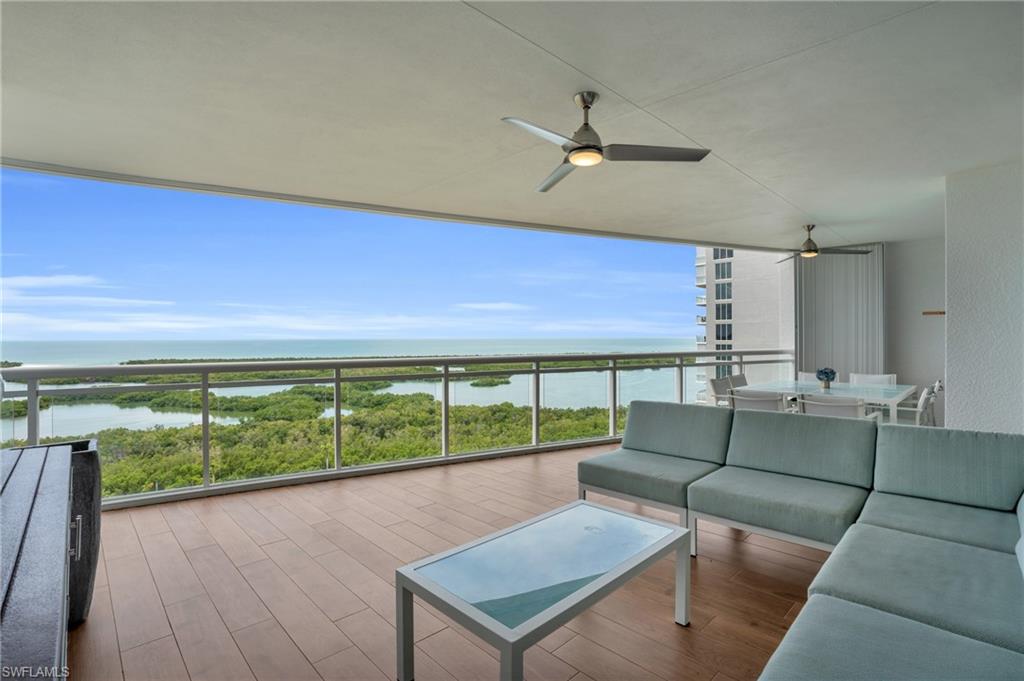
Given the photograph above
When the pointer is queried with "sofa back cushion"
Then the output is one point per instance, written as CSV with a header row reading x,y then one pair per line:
x,y
956,466
687,430
821,447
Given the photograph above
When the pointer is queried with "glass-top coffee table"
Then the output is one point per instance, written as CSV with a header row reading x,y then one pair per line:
x,y
516,586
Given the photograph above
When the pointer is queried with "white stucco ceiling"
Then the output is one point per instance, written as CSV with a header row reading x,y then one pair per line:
x,y
846,114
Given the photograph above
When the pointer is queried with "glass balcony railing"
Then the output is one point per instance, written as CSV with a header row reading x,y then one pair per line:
x,y
199,428
702,301
702,319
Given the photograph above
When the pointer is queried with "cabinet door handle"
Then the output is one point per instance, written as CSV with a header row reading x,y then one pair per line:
x,y
76,550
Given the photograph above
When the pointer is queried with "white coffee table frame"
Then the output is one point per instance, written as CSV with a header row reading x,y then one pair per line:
x,y
513,642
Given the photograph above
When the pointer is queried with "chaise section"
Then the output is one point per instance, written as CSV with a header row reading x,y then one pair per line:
x,y
666,446
655,477
836,640
963,589
813,509
982,527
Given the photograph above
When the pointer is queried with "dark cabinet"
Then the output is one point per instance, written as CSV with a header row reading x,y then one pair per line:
x,y
50,535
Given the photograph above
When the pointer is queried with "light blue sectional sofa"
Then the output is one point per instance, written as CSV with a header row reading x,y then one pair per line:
x,y
926,577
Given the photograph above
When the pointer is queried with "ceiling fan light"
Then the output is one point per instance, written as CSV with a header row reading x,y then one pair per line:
x,y
585,156
808,254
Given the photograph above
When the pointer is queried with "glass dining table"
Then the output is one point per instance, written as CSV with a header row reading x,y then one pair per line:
x,y
888,396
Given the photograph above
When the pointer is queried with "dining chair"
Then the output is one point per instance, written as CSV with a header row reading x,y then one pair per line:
x,y
757,400
873,379
720,390
826,405
922,414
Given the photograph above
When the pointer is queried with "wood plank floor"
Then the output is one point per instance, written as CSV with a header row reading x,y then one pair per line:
x,y
297,583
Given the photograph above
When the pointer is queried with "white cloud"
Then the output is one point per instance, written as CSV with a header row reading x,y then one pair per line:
x,y
53,281
15,299
14,292
494,307
596,278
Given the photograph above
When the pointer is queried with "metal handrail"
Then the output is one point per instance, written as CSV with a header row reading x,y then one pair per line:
x,y
28,372
334,374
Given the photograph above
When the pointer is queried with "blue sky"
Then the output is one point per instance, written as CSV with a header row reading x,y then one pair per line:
x,y
94,260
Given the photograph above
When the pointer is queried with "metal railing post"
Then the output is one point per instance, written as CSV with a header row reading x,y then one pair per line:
x,y
32,411
337,418
205,393
740,355
680,381
444,411
613,399
535,404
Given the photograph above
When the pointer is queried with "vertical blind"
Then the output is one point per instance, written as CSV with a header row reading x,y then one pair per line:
x,y
840,316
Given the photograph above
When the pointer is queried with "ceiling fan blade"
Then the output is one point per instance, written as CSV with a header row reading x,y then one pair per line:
x,y
786,259
543,133
640,152
556,176
842,251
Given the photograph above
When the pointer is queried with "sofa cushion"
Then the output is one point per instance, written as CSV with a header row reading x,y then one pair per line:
x,y
644,474
958,466
836,640
1020,542
688,430
814,509
967,590
996,530
821,447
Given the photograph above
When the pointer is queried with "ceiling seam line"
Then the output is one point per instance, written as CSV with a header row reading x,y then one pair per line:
x,y
773,60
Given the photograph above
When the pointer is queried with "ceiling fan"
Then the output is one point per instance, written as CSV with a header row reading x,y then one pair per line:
x,y
809,249
584,148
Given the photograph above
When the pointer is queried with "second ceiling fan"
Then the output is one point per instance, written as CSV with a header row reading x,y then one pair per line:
x,y
809,249
585,149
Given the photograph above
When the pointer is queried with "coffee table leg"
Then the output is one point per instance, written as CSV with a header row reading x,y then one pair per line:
x,y
403,625
683,585
511,664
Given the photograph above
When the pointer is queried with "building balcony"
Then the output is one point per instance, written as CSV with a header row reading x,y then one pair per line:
x,y
701,275
702,319
702,301
701,258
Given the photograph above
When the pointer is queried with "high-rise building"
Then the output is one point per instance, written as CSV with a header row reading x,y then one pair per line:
x,y
747,304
